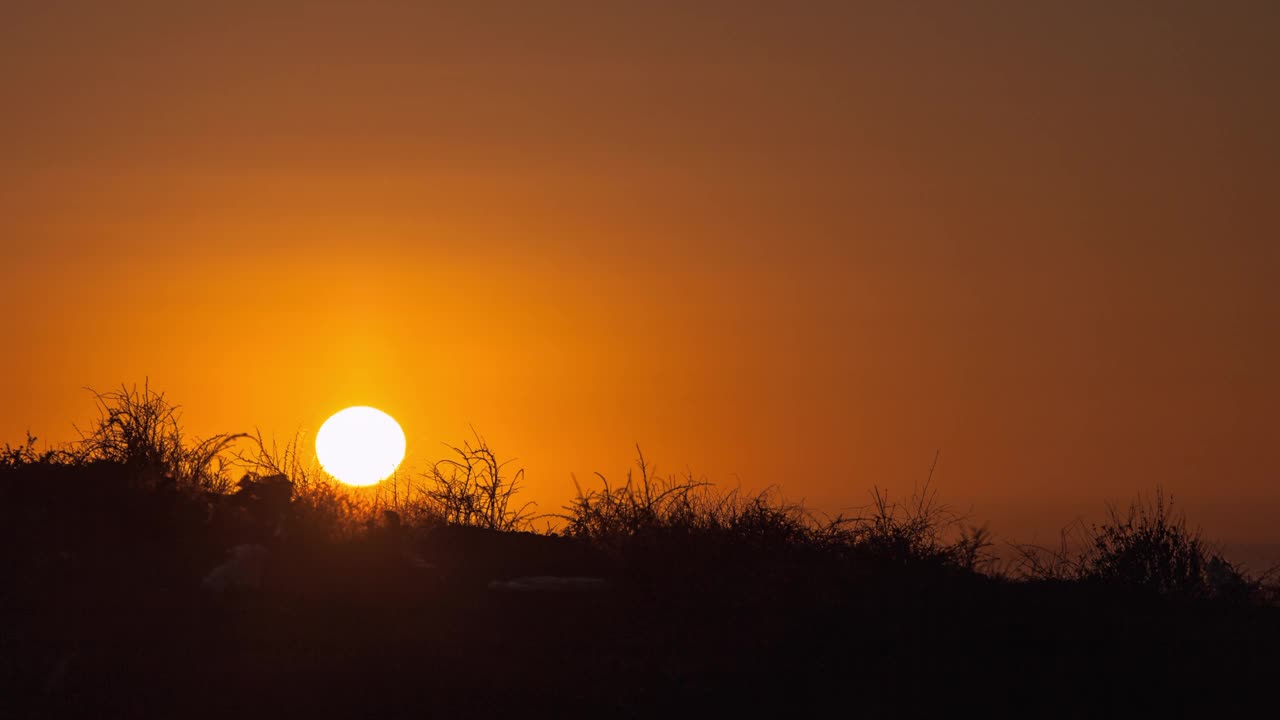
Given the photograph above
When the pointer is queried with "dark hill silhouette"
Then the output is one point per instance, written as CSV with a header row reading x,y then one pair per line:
x,y
103,613
699,604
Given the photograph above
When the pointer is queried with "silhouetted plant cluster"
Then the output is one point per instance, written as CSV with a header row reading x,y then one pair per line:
x,y
472,488
685,585
666,524
648,524
141,429
27,454
648,508
1146,547
642,505
322,508
920,530
1149,547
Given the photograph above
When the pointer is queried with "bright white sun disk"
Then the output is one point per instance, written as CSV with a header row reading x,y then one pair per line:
x,y
360,446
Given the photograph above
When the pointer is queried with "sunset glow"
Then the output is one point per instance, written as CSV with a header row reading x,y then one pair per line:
x,y
711,358
1034,236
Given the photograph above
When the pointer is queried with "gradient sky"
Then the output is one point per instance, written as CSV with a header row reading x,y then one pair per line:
x,y
797,243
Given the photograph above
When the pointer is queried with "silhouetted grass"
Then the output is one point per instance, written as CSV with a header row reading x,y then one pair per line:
x,y
322,509
1145,547
717,601
141,429
26,454
470,488
677,532
646,524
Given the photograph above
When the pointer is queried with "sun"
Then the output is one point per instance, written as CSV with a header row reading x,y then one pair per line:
x,y
360,445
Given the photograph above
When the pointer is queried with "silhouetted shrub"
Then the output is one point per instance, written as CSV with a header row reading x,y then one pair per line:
x,y
648,503
1146,547
27,454
142,430
680,529
470,488
919,531
321,509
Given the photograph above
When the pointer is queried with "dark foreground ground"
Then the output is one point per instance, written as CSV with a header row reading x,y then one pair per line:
x,y
113,623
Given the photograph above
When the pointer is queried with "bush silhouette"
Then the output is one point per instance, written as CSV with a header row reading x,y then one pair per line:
x,y
1150,547
679,531
1146,547
26,454
470,488
142,430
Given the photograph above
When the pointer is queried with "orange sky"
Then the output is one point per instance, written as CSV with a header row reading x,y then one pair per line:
x,y
804,244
